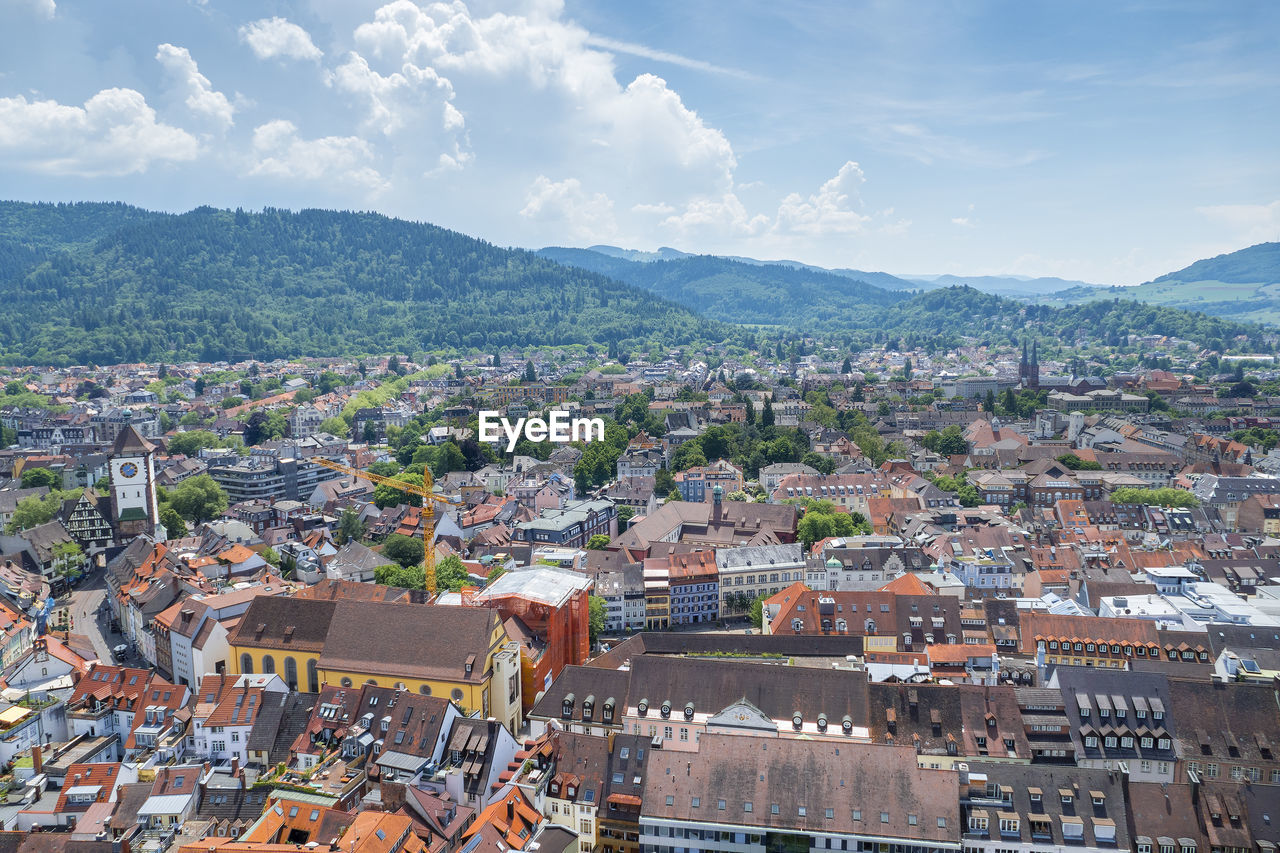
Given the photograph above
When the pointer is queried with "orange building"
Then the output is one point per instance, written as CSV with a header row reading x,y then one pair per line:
x,y
545,610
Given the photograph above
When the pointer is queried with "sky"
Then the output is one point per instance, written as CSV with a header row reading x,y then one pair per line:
x,y
1108,142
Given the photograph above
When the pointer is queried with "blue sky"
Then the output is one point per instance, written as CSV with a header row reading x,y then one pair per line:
x,y
1109,142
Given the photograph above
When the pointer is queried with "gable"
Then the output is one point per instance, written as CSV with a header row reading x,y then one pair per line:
x,y
742,716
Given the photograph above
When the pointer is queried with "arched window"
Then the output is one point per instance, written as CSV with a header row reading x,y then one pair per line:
x,y
246,663
291,672
268,664
313,678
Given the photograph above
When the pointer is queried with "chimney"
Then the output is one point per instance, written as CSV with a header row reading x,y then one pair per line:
x,y
235,765
511,810
37,759
717,496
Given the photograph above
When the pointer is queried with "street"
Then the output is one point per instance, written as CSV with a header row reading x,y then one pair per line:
x,y
85,603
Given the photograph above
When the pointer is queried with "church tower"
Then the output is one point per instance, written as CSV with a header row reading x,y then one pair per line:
x,y
1033,371
133,485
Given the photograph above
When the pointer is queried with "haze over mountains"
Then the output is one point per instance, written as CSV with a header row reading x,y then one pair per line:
x,y
111,283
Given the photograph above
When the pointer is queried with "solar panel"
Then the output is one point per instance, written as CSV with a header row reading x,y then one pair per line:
x,y
1251,667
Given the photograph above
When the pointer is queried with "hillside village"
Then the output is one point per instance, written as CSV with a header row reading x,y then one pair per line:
x,y
885,600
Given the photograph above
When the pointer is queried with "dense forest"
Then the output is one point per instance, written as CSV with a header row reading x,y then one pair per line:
x,y
110,283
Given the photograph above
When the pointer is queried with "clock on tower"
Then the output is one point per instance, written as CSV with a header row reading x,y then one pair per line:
x,y
133,489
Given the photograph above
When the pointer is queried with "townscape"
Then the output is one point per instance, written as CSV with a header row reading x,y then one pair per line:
x,y
820,599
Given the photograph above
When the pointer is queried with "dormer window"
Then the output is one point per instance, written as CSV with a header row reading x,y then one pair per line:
x,y
666,709
688,711
567,710
643,707
797,722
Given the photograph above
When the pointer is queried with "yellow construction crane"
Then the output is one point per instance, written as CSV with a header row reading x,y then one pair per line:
x,y
429,501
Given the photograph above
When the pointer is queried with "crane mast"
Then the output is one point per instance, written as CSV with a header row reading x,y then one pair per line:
x,y
429,500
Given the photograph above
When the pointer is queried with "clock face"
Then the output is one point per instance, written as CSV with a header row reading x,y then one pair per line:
x,y
128,470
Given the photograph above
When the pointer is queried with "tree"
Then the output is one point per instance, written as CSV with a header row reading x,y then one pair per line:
x,y
595,616
756,611
35,478
1155,497
271,555
451,574
336,427
663,481
497,359
385,495
818,525
33,511
404,577
198,499
191,442
766,417
847,367
494,573
174,526
625,514
674,495
199,386
1075,463
350,527
906,369
598,542
68,559
264,426
405,550
370,434
530,375
393,366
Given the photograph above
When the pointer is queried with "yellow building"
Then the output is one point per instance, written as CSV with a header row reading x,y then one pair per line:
x,y
457,653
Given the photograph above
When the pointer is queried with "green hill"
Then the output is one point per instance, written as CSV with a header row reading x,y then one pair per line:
x,y
1243,285
109,283
748,293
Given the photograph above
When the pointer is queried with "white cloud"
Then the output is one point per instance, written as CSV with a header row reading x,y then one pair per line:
x,y
280,153
1251,223
574,213
277,37
962,221
114,133
828,211
395,100
46,8
201,98
639,141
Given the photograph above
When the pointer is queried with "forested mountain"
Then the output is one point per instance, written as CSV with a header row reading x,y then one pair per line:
x,y
1243,285
879,279
109,283
756,294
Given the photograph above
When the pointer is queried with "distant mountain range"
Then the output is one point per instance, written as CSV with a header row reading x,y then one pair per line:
x,y
791,296
1242,285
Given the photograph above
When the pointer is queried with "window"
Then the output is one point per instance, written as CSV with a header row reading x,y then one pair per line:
x,y
830,814
720,805
912,820
773,809
746,806
884,817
